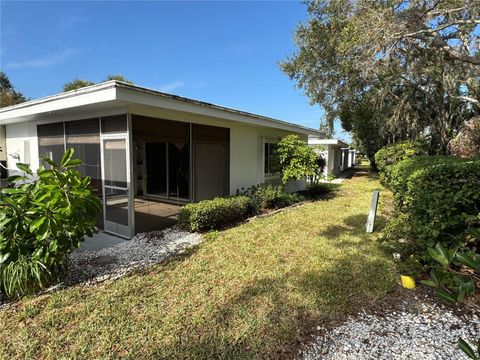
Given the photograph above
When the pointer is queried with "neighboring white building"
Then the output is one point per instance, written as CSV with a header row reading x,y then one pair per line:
x,y
139,144
336,154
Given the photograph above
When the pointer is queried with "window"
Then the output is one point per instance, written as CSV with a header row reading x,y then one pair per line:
x,y
51,141
272,161
84,137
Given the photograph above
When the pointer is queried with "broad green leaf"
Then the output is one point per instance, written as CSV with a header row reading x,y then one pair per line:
x,y
37,223
429,283
438,257
15,178
49,162
442,294
66,157
467,349
4,257
73,163
468,261
25,168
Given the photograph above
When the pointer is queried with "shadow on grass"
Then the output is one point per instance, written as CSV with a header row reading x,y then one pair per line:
x,y
273,315
353,226
321,191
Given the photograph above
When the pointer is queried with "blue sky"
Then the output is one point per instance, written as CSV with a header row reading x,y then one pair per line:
x,y
221,52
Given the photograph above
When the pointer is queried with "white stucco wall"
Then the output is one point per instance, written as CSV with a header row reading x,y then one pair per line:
x,y
246,143
22,145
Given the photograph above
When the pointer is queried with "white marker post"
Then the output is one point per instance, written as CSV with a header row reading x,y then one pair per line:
x,y
373,212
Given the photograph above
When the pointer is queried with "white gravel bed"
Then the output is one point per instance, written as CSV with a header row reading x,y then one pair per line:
x,y
421,330
93,266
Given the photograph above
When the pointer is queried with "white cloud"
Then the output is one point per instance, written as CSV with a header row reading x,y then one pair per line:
x,y
46,60
174,85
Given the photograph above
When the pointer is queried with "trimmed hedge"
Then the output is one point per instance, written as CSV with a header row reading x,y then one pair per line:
x,y
388,156
439,194
216,213
443,198
402,171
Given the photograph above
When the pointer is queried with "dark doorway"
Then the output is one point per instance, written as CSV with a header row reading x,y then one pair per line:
x,y
156,165
167,169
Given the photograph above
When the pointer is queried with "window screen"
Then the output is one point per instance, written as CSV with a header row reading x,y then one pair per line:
x,y
272,161
84,137
51,141
114,124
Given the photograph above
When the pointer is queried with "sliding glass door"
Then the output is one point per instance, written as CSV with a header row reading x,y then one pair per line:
x,y
167,170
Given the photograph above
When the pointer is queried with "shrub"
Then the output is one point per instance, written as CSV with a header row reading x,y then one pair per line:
x,y
299,160
43,218
402,171
215,214
270,197
390,155
442,199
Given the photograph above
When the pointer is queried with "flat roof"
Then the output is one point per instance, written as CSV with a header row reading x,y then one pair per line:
x,y
115,92
317,141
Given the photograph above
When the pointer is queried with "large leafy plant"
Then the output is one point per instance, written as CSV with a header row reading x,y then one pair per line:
x,y
42,218
299,160
454,272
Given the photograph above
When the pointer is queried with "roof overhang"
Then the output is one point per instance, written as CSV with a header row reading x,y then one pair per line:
x,y
324,142
117,95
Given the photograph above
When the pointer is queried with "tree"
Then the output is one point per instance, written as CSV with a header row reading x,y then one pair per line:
x,y
77,84
8,94
415,62
118,78
467,142
299,160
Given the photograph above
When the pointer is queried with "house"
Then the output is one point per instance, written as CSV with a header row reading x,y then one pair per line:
x,y
335,152
148,152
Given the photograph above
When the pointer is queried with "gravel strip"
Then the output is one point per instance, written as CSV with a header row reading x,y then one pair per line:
x,y
419,330
93,266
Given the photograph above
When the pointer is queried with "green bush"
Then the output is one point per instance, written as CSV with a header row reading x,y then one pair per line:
x,y
215,214
270,197
442,199
43,218
388,156
299,160
402,171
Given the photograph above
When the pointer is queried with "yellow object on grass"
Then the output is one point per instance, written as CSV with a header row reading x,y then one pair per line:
x,y
408,282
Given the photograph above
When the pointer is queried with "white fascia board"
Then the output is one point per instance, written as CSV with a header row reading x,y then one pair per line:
x,y
335,142
129,95
72,99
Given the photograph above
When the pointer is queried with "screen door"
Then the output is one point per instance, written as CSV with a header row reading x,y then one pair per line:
x,y
117,206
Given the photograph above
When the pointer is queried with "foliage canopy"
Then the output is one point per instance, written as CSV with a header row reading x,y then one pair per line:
x,y
403,69
8,94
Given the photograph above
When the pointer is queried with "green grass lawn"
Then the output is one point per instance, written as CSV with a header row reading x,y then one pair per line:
x,y
253,291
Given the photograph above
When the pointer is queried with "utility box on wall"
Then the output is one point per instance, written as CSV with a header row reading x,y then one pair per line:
x,y
18,152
